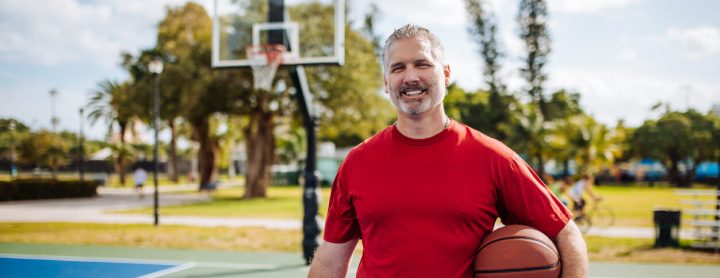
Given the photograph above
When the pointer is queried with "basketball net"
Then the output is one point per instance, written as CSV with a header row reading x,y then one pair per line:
x,y
264,60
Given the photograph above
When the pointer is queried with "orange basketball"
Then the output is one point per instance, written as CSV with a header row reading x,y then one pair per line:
x,y
517,251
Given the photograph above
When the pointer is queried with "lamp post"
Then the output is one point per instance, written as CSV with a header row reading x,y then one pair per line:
x,y
156,67
54,121
13,170
81,151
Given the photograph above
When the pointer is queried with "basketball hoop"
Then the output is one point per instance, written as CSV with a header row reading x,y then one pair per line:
x,y
264,60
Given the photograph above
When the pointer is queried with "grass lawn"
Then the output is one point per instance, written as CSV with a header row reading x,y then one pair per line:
x,y
633,204
164,236
268,240
282,202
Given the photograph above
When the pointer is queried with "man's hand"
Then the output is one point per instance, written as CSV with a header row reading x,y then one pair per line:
x,y
573,251
332,259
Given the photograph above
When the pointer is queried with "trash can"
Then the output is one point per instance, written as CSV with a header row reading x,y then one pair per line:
x,y
667,227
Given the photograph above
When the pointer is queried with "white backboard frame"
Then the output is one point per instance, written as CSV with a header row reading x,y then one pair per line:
x,y
293,58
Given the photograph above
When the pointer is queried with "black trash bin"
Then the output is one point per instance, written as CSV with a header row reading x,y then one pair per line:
x,y
667,227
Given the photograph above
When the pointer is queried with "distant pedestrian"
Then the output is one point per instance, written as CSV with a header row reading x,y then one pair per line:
x,y
139,176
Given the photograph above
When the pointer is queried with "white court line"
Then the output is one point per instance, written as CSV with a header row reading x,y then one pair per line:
x,y
169,270
88,259
236,266
186,265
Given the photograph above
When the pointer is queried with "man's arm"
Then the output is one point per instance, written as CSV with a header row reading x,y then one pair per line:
x,y
332,259
573,251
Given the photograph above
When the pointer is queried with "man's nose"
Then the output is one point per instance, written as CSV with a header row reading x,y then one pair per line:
x,y
411,76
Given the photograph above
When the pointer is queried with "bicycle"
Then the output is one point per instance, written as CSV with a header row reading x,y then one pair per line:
x,y
597,215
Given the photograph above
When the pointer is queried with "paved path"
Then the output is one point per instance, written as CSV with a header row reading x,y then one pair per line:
x,y
95,210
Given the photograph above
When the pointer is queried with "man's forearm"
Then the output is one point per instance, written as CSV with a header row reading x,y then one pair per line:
x,y
573,251
332,260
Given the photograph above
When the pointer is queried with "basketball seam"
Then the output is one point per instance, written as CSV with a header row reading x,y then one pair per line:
x,y
528,238
516,269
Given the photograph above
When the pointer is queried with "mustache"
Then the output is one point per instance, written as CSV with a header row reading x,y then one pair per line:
x,y
413,87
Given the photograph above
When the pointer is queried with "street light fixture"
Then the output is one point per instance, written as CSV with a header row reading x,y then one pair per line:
x,y
54,120
155,67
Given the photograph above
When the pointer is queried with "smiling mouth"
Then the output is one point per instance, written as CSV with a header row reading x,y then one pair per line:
x,y
413,93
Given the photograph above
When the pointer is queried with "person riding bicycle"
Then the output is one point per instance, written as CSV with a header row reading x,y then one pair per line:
x,y
578,189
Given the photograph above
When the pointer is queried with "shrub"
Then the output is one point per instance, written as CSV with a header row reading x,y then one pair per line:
x,y
31,189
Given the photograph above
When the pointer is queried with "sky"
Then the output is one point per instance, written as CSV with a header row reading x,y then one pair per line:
x,y
622,56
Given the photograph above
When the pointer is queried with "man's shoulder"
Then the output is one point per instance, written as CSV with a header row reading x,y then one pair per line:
x,y
483,142
372,143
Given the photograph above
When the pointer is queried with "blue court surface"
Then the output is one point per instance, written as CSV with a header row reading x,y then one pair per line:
x,y
14,266
47,260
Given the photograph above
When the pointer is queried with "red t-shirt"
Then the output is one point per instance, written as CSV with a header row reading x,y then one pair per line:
x,y
422,206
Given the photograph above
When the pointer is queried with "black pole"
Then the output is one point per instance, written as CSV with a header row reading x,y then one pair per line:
x,y
717,205
156,112
81,155
311,227
13,169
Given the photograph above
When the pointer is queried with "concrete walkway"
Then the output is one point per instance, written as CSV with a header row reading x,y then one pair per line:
x,y
95,210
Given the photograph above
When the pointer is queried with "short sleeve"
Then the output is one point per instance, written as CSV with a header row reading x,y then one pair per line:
x,y
524,199
341,224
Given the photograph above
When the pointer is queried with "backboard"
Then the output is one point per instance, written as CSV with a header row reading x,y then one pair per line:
x,y
313,31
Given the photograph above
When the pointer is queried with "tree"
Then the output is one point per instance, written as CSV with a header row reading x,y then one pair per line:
x,y
114,103
483,29
10,130
533,17
44,148
529,133
677,138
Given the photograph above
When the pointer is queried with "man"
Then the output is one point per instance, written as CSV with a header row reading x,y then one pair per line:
x,y
139,176
423,193
578,189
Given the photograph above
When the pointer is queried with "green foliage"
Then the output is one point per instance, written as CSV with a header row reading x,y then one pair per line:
x,y
11,132
677,137
44,148
352,107
484,111
31,189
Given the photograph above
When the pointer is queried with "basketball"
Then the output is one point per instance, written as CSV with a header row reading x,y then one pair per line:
x,y
517,251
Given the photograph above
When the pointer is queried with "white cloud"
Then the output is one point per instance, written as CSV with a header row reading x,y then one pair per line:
x,y
698,42
425,12
53,32
615,94
588,6
627,54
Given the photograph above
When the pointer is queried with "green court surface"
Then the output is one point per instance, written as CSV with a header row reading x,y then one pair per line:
x,y
245,264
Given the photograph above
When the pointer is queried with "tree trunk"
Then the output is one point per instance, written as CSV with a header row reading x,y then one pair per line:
x,y
173,169
674,172
260,146
120,160
206,153
541,167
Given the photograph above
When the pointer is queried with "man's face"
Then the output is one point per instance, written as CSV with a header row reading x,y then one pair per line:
x,y
414,80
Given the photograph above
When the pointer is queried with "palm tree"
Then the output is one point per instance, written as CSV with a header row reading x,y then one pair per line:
x,y
113,103
529,133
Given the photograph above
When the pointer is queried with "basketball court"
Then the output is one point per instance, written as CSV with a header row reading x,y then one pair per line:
x,y
41,260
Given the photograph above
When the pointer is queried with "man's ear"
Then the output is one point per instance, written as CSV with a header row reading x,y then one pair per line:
x,y
385,85
446,71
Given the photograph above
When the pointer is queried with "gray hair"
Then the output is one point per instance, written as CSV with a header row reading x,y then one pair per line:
x,y
414,31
